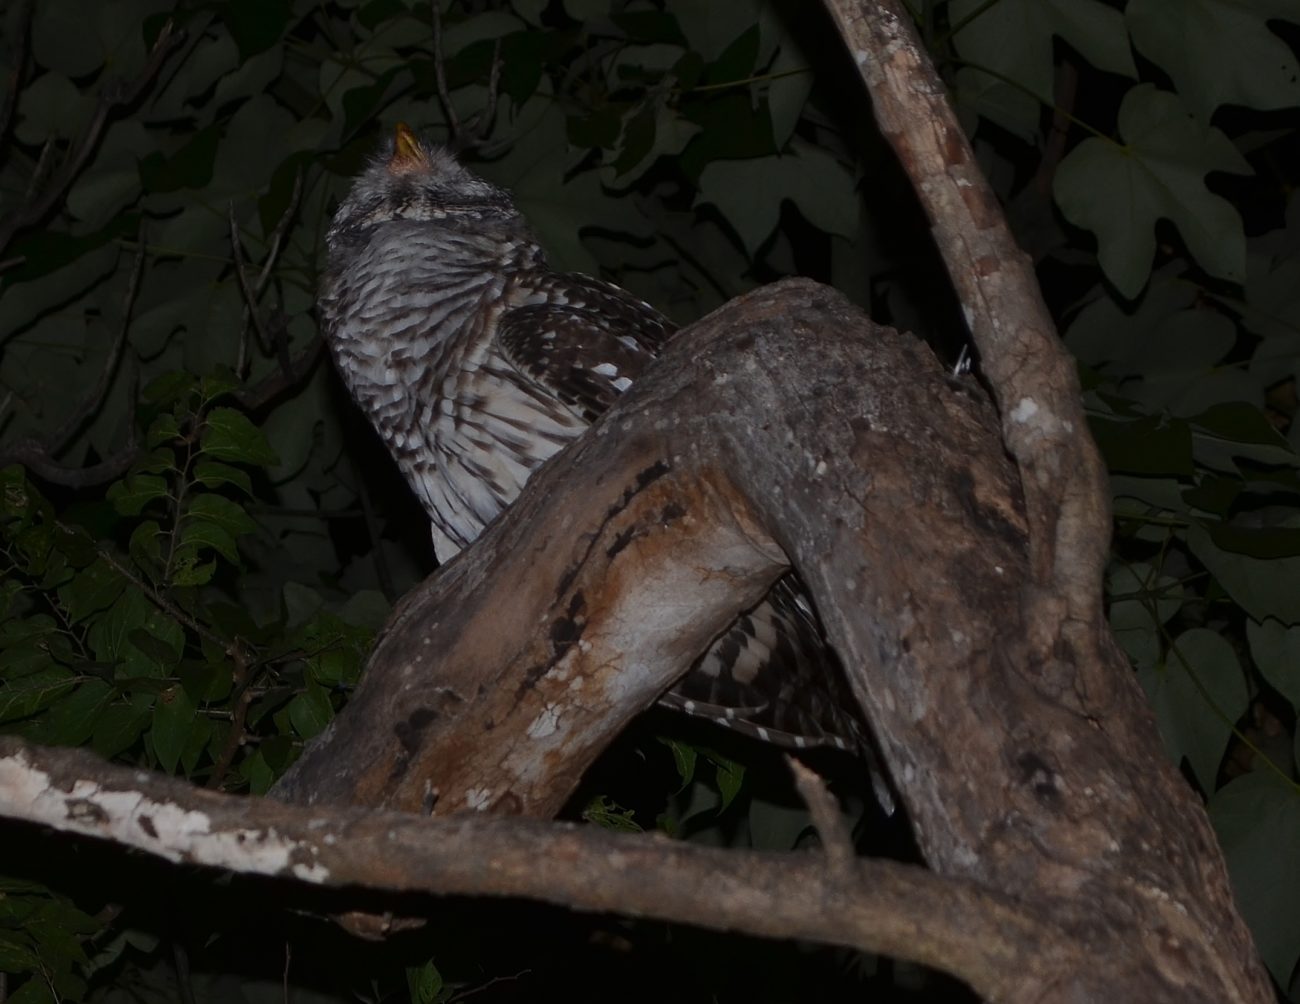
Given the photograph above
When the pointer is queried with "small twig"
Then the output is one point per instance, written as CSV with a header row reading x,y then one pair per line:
x,y
471,135
112,96
277,235
89,405
250,301
275,340
240,679
440,73
157,599
826,816
276,383
377,549
38,455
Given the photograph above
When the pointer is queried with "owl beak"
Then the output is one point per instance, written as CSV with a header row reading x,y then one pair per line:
x,y
408,154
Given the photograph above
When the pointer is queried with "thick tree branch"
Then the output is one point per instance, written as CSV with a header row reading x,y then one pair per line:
x,y
875,906
786,429
1032,376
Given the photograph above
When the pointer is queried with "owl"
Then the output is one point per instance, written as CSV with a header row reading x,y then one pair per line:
x,y
476,362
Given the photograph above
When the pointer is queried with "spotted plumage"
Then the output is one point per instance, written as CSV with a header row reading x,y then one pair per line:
x,y
476,363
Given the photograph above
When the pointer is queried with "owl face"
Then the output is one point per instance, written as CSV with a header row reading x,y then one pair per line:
x,y
415,182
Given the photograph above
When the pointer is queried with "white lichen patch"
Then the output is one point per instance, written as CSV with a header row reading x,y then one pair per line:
x,y
1024,411
160,827
545,724
478,799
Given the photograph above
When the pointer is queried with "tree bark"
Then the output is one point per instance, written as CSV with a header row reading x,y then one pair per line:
x,y
786,424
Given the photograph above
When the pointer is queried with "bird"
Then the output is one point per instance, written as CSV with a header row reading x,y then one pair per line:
x,y
476,362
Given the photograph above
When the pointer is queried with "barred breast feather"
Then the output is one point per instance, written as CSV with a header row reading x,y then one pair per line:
x,y
476,363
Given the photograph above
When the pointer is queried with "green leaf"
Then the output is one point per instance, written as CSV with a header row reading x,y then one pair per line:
x,y
1275,647
424,983
1142,600
162,429
121,725
63,40
1198,694
93,588
1152,445
1264,588
310,711
684,758
604,812
35,692
212,474
1119,192
730,777
255,24
189,570
219,510
72,720
749,193
173,718
1257,819
229,435
1219,52
130,495
1015,40
169,388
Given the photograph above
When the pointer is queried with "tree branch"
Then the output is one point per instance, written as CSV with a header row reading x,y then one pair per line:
x,y
38,455
115,94
1032,376
787,430
878,906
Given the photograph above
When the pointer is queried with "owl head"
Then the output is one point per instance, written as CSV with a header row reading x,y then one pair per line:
x,y
413,181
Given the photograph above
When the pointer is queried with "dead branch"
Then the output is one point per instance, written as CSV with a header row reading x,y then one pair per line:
x,y
114,95
464,136
878,906
38,454
270,341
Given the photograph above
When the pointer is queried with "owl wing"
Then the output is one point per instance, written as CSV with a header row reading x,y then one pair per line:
x,y
582,340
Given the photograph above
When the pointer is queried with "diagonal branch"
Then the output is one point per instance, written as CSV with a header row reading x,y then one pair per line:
x,y
114,95
38,455
1032,376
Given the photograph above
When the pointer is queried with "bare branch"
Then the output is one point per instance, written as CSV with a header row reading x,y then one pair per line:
x,y
471,135
826,816
880,906
275,342
37,459
114,95
90,403
1032,375
270,342
39,455
282,380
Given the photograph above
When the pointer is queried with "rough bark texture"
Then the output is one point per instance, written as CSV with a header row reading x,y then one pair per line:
x,y
901,910
788,423
1032,376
